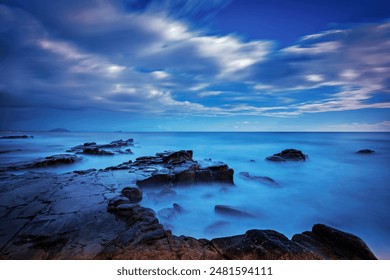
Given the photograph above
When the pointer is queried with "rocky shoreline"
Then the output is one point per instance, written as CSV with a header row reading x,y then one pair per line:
x,y
95,214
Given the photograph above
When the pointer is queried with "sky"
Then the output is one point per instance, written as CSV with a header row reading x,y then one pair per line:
x,y
195,65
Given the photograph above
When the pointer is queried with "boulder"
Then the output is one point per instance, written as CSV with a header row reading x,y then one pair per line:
x,y
288,155
92,148
330,243
133,194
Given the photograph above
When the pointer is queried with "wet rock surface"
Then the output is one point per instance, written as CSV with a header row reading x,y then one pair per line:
x,y
42,162
95,215
288,155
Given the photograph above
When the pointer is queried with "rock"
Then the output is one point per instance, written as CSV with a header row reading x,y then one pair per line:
x,y
167,213
330,243
216,227
288,155
178,168
133,194
118,200
164,195
261,245
83,172
92,148
178,208
96,151
261,179
16,137
276,159
230,211
366,151
43,162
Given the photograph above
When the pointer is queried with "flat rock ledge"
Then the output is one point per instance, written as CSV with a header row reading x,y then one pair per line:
x,y
94,214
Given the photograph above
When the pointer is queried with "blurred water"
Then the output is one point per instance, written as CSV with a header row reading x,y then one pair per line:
x,y
335,186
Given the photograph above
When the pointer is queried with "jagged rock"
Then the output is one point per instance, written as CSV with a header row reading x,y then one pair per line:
x,y
288,155
261,179
178,168
330,243
261,245
43,162
133,194
16,137
230,211
92,148
366,151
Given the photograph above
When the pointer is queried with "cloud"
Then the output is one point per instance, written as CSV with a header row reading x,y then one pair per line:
x,y
150,58
381,126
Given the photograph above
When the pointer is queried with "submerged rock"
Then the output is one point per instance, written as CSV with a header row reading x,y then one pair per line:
x,y
261,179
366,151
288,155
230,211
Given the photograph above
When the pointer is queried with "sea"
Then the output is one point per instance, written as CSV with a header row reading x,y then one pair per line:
x,y
335,186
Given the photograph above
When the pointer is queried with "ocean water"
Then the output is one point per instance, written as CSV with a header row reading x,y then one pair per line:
x,y
335,186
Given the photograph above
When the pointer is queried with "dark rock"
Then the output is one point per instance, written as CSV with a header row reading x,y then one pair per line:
x,y
366,151
83,172
261,179
288,155
230,211
178,208
330,243
156,180
43,162
96,151
261,245
16,137
276,159
118,200
133,194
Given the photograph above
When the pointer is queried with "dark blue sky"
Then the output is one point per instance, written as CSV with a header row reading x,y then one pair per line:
x,y
212,65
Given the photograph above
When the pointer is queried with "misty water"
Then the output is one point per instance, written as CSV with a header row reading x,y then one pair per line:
x,y
335,186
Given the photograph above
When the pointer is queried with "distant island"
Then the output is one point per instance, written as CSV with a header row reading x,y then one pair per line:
x,y
59,130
